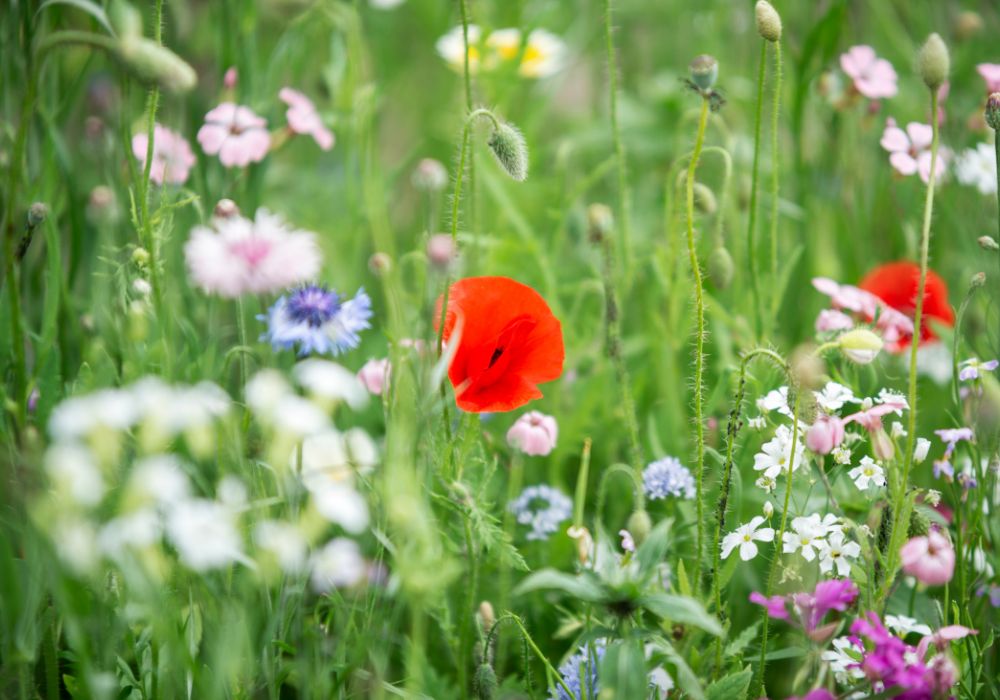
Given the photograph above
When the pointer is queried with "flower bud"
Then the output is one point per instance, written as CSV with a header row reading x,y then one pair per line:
x,y
486,682
967,25
993,111
825,434
933,62
768,509
704,71
231,77
600,221
429,175
225,209
807,369
977,281
860,345
37,213
487,616
102,206
704,199
882,444
150,62
921,449
140,256
639,524
988,243
919,524
721,268
768,21
379,263
374,375
510,150
441,250
142,287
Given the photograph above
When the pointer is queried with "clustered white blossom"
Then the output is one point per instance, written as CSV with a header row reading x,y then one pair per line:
x,y
823,538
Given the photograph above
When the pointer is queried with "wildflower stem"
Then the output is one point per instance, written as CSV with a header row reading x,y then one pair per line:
x,y
581,484
624,199
699,360
996,151
775,184
467,81
755,173
901,513
534,647
465,626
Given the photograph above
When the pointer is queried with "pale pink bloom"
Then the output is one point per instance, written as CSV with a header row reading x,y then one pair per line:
x,y
846,296
230,78
910,150
825,434
534,433
943,637
873,77
440,249
237,134
833,320
304,119
375,375
930,559
991,74
893,325
241,256
172,156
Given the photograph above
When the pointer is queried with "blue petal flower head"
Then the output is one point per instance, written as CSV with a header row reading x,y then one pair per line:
x,y
579,673
668,477
542,508
317,320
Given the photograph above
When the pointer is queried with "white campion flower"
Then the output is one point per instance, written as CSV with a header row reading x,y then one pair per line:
x,y
893,397
867,473
977,167
833,396
283,541
264,390
75,542
834,552
451,47
921,449
845,659
136,530
807,533
204,534
329,381
842,455
338,564
774,455
744,537
161,479
775,400
74,474
340,503
294,415
905,625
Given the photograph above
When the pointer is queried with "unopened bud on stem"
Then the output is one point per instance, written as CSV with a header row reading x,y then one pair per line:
x,y
768,21
988,243
704,71
993,111
860,345
510,150
934,62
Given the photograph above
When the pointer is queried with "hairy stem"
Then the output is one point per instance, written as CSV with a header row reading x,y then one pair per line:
x,y
755,173
624,200
775,184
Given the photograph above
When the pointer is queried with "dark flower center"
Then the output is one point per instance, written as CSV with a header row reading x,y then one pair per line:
x,y
496,356
313,304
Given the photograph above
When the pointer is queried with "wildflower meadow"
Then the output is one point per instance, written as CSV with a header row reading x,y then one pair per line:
x,y
496,349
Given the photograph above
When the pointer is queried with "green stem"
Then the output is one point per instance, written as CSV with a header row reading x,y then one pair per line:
x,y
699,360
775,184
755,173
996,150
467,625
624,200
467,82
534,647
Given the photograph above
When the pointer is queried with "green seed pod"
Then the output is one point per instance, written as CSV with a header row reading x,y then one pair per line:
x,y
511,150
126,20
486,683
934,62
704,71
768,21
151,63
721,268
639,526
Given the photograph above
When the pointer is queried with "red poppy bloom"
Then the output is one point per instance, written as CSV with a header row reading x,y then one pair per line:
x,y
897,284
508,343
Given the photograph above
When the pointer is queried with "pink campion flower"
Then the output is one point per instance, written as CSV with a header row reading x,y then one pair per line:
x,y
930,559
990,72
775,605
825,434
873,77
870,418
831,320
304,119
172,155
910,150
894,326
943,637
240,256
236,133
375,375
534,433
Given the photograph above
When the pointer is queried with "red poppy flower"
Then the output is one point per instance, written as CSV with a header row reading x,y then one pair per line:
x,y
509,342
897,284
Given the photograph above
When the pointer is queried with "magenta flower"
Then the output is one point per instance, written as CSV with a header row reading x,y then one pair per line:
x,y
930,559
873,77
237,134
811,608
910,150
374,375
304,119
990,72
534,433
775,605
172,155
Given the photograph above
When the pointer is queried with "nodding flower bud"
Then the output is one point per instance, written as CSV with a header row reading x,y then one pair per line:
x,y
768,509
151,63
860,345
639,525
600,221
429,175
993,111
704,199
486,682
379,263
487,616
226,209
510,150
768,21
126,20
230,78
934,62
721,268
37,213
441,250
977,281
988,243
704,71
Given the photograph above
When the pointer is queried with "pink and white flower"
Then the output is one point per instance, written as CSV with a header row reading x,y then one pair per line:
x,y
910,150
894,326
304,119
172,155
930,559
241,256
873,77
236,133
534,433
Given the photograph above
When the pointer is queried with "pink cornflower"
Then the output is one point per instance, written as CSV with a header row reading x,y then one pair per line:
x,y
930,559
873,77
910,150
375,375
241,256
990,72
304,119
236,133
172,156
534,433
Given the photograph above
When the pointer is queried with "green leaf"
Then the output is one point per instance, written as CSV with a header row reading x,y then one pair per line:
x,y
91,8
742,640
623,671
582,587
653,551
681,609
683,585
732,687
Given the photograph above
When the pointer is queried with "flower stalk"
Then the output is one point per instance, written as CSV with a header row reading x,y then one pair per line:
x,y
624,199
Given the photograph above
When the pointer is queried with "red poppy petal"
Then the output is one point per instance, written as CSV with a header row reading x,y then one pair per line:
x,y
511,392
897,284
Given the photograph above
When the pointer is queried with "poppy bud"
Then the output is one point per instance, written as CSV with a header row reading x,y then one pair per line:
x,y
968,24
486,682
704,71
704,199
721,267
126,20
993,110
510,150
600,221
860,345
429,175
226,209
151,63
230,78
639,525
988,243
768,21
487,615
919,524
36,214
934,62
977,281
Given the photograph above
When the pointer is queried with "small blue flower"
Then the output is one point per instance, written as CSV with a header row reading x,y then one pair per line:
x,y
579,673
668,477
542,508
317,320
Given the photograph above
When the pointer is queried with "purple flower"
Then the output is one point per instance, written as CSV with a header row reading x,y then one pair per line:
x,y
889,661
972,367
775,605
952,436
943,466
992,591
317,320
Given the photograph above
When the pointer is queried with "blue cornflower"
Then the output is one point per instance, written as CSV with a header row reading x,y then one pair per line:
x,y
579,673
668,477
542,508
317,320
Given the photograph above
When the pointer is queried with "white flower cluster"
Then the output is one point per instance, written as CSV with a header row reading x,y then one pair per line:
x,y
822,538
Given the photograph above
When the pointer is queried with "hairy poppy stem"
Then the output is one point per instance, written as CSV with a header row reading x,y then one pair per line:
x,y
699,360
775,180
755,174
624,199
